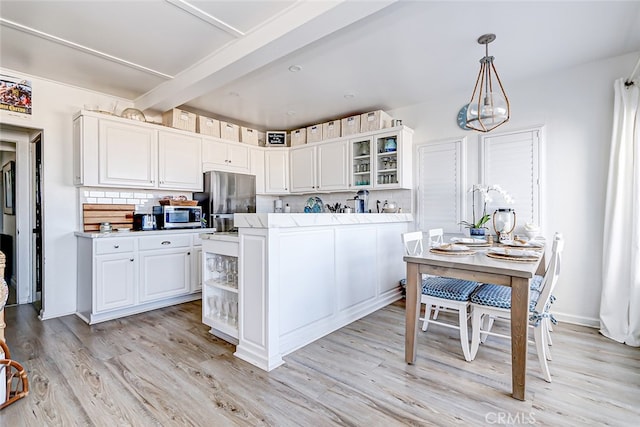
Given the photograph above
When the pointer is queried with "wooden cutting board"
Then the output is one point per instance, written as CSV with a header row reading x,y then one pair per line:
x,y
93,214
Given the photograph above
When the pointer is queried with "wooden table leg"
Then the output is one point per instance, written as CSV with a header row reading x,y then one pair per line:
x,y
519,331
412,311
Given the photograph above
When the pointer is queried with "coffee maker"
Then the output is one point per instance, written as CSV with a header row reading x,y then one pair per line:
x,y
361,202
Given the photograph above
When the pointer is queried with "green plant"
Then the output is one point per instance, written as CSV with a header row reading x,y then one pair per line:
x,y
484,192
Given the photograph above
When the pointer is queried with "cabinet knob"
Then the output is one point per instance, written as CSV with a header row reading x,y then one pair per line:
x,y
188,253
116,246
131,259
166,242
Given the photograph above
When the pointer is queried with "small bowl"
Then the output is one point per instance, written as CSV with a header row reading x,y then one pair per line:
x,y
532,234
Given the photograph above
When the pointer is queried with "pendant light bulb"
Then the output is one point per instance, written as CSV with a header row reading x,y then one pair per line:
x,y
489,107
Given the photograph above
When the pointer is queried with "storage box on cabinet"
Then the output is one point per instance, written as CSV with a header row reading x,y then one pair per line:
x,y
208,126
331,129
314,133
179,119
249,136
298,137
229,131
374,120
350,125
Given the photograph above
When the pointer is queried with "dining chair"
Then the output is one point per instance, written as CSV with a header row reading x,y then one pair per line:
x,y
436,237
443,294
493,302
413,243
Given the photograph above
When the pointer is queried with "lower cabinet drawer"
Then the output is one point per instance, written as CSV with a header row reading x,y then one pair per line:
x,y
164,242
114,245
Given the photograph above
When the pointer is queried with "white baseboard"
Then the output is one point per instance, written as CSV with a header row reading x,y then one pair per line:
x,y
577,320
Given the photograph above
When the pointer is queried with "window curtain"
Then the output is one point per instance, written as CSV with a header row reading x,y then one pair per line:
x,y
620,302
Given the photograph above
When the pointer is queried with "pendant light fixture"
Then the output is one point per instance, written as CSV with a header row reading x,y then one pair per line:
x,y
489,105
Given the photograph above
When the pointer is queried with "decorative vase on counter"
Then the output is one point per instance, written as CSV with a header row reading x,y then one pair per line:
x,y
477,232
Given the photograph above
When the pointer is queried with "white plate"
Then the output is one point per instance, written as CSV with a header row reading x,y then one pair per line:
x,y
468,241
516,253
123,230
451,247
522,244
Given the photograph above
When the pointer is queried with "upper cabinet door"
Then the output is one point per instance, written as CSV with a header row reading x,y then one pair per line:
x,y
276,172
303,169
333,161
180,161
225,156
128,155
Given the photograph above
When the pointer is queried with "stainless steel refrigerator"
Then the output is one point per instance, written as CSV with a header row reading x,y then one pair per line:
x,y
224,194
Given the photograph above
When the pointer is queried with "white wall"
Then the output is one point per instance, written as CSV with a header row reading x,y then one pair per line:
x,y
53,107
576,109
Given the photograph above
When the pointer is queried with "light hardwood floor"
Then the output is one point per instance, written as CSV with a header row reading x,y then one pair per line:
x,y
164,368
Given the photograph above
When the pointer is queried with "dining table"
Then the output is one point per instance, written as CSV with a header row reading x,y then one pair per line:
x,y
481,268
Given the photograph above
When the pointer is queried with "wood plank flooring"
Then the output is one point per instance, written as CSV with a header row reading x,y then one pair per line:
x,y
163,368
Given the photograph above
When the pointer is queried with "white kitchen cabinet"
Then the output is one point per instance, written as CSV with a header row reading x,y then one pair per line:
x,y
332,166
392,168
115,281
115,277
361,162
128,155
165,266
126,273
115,152
320,167
220,155
179,161
78,151
276,165
376,164
303,169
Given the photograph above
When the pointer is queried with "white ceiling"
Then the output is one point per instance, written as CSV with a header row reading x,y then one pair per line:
x,y
230,59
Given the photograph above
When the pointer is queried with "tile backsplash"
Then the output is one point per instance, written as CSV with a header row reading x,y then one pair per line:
x,y
142,199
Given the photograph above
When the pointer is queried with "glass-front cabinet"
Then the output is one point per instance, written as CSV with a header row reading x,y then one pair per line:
x,y
382,159
386,160
220,288
361,165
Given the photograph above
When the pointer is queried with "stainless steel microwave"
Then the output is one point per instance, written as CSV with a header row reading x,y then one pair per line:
x,y
169,217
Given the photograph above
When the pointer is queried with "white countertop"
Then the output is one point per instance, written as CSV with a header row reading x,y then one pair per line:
x,y
96,235
283,220
225,237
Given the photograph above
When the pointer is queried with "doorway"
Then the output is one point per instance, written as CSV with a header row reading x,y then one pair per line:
x,y
18,212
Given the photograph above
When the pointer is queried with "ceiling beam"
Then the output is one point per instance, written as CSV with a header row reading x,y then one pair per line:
x,y
209,19
297,26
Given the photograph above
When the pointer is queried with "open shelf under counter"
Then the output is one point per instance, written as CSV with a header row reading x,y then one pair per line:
x,y
221,285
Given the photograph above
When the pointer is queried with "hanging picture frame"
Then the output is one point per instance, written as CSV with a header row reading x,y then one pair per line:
x,y
15,95
8,180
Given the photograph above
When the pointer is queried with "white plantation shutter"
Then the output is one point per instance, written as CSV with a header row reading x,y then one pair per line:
x,y
512,161
440,167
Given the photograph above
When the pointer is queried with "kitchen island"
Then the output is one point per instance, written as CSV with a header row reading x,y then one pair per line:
x,y
302,276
